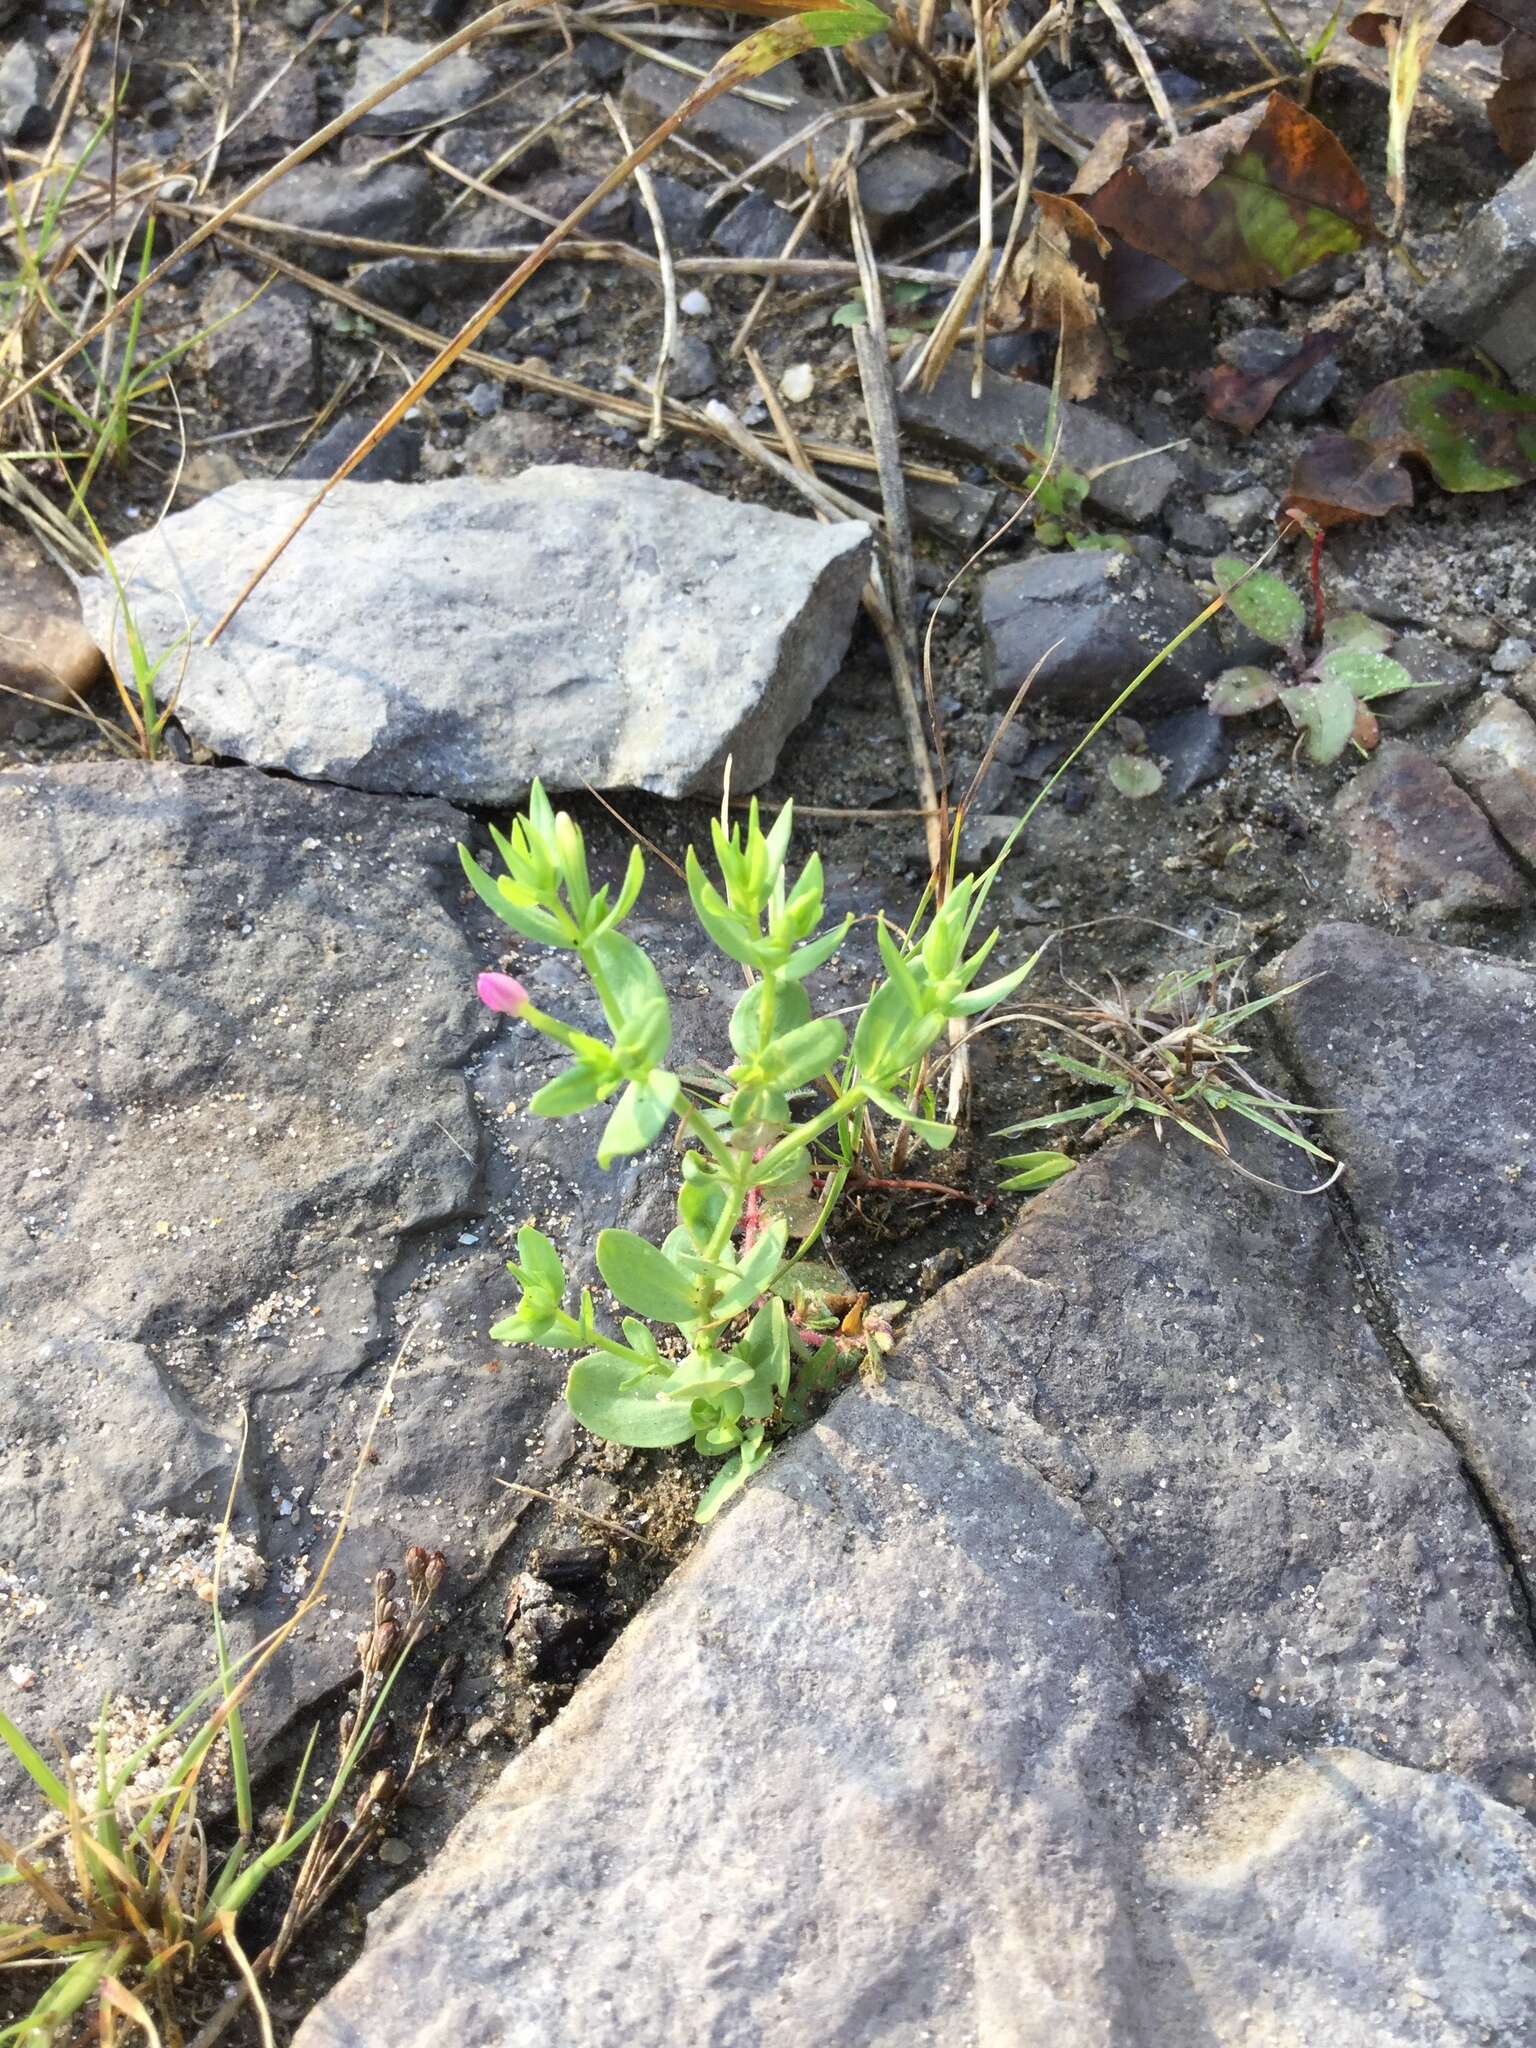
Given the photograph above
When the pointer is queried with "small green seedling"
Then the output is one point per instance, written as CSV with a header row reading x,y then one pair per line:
x,y
853,312
1328,698
1171,1056
729,1337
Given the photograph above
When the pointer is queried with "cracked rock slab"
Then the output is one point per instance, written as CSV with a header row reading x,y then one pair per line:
x,y
458,639
239,1119
1419,845
1427,1056
1027,1699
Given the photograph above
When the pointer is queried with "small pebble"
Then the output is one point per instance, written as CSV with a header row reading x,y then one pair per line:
x,y
1511,655
393,1852
695,304
798,382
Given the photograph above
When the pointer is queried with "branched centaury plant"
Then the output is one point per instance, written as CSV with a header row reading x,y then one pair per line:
x,y
740,1358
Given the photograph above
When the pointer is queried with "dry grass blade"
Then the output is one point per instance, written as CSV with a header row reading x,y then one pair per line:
x,y
1146,70
658,221
306,149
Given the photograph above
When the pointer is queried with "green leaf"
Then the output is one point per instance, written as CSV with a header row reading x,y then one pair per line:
x,y
1325,712
806,959
935,1135
752,1455
753,1272
540,1261
1035,1170
791,1008
1237,691
644,1279
730,932
765,1347
1135,775
42,1777
1266,604
575,1088
1365,672
1474,435
1357,629
852,313
630,987
798,1056
595,1392
639,1117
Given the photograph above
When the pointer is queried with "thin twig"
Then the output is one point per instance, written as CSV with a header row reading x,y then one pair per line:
x,y
657,218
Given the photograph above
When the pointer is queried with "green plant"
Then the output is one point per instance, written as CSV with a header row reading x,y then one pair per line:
x,y
769,1141
1171,1055
854,313
1328,696
134,1890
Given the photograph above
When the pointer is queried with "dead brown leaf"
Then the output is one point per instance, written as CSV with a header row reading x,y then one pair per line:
x,y
1044,290
1244,204
1512,106
1242,398
1474,23
1338,479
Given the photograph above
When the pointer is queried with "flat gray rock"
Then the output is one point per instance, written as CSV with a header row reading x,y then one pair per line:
x,y
1012,417
1419,846
1427,1056
1488,297
1025,1698
1084,624
458,639
438,95
238,1155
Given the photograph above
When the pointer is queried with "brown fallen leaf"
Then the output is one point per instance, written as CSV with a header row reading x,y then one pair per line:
x,y
1338,478
1473,435
1512,105
1244,204
1242,398
1045,291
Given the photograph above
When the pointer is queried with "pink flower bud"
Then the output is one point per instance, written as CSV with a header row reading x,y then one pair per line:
x,y
502,992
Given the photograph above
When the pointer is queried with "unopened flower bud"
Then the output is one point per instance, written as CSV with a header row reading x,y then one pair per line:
x,y
502,992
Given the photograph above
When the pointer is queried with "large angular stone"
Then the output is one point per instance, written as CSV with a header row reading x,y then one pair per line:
x,y
458,639
1419,845
239,1127
380,202
1023,1700
1085,624
905,182
1488,297
1496,760
1010,426
1427,1056
1188,1356
450,87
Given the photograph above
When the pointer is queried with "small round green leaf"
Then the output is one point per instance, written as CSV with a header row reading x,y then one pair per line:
x,y
1266,604
1237,691
1325,712
1365,672
1135,775
636,1418
1358,629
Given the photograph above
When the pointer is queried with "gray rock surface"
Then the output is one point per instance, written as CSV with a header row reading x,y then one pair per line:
x,y
262,360
24,81
1488,298
460,638
1037,1725
383,202
1496,760
1419,845
1092,620
438,95
1010,415
902,183
238,1154
1428,1056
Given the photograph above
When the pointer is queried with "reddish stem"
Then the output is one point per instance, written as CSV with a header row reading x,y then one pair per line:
x,y
1317,581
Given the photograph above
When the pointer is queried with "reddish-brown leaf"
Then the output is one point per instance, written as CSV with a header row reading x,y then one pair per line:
x,y
1244,204
1242,398
1337,479
1512,106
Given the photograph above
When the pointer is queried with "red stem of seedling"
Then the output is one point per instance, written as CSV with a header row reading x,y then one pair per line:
x,y
1317,581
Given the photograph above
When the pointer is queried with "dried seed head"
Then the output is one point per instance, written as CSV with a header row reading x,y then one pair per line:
x,y
383,1583
364,1645
436,1571
415,1564
386,1639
